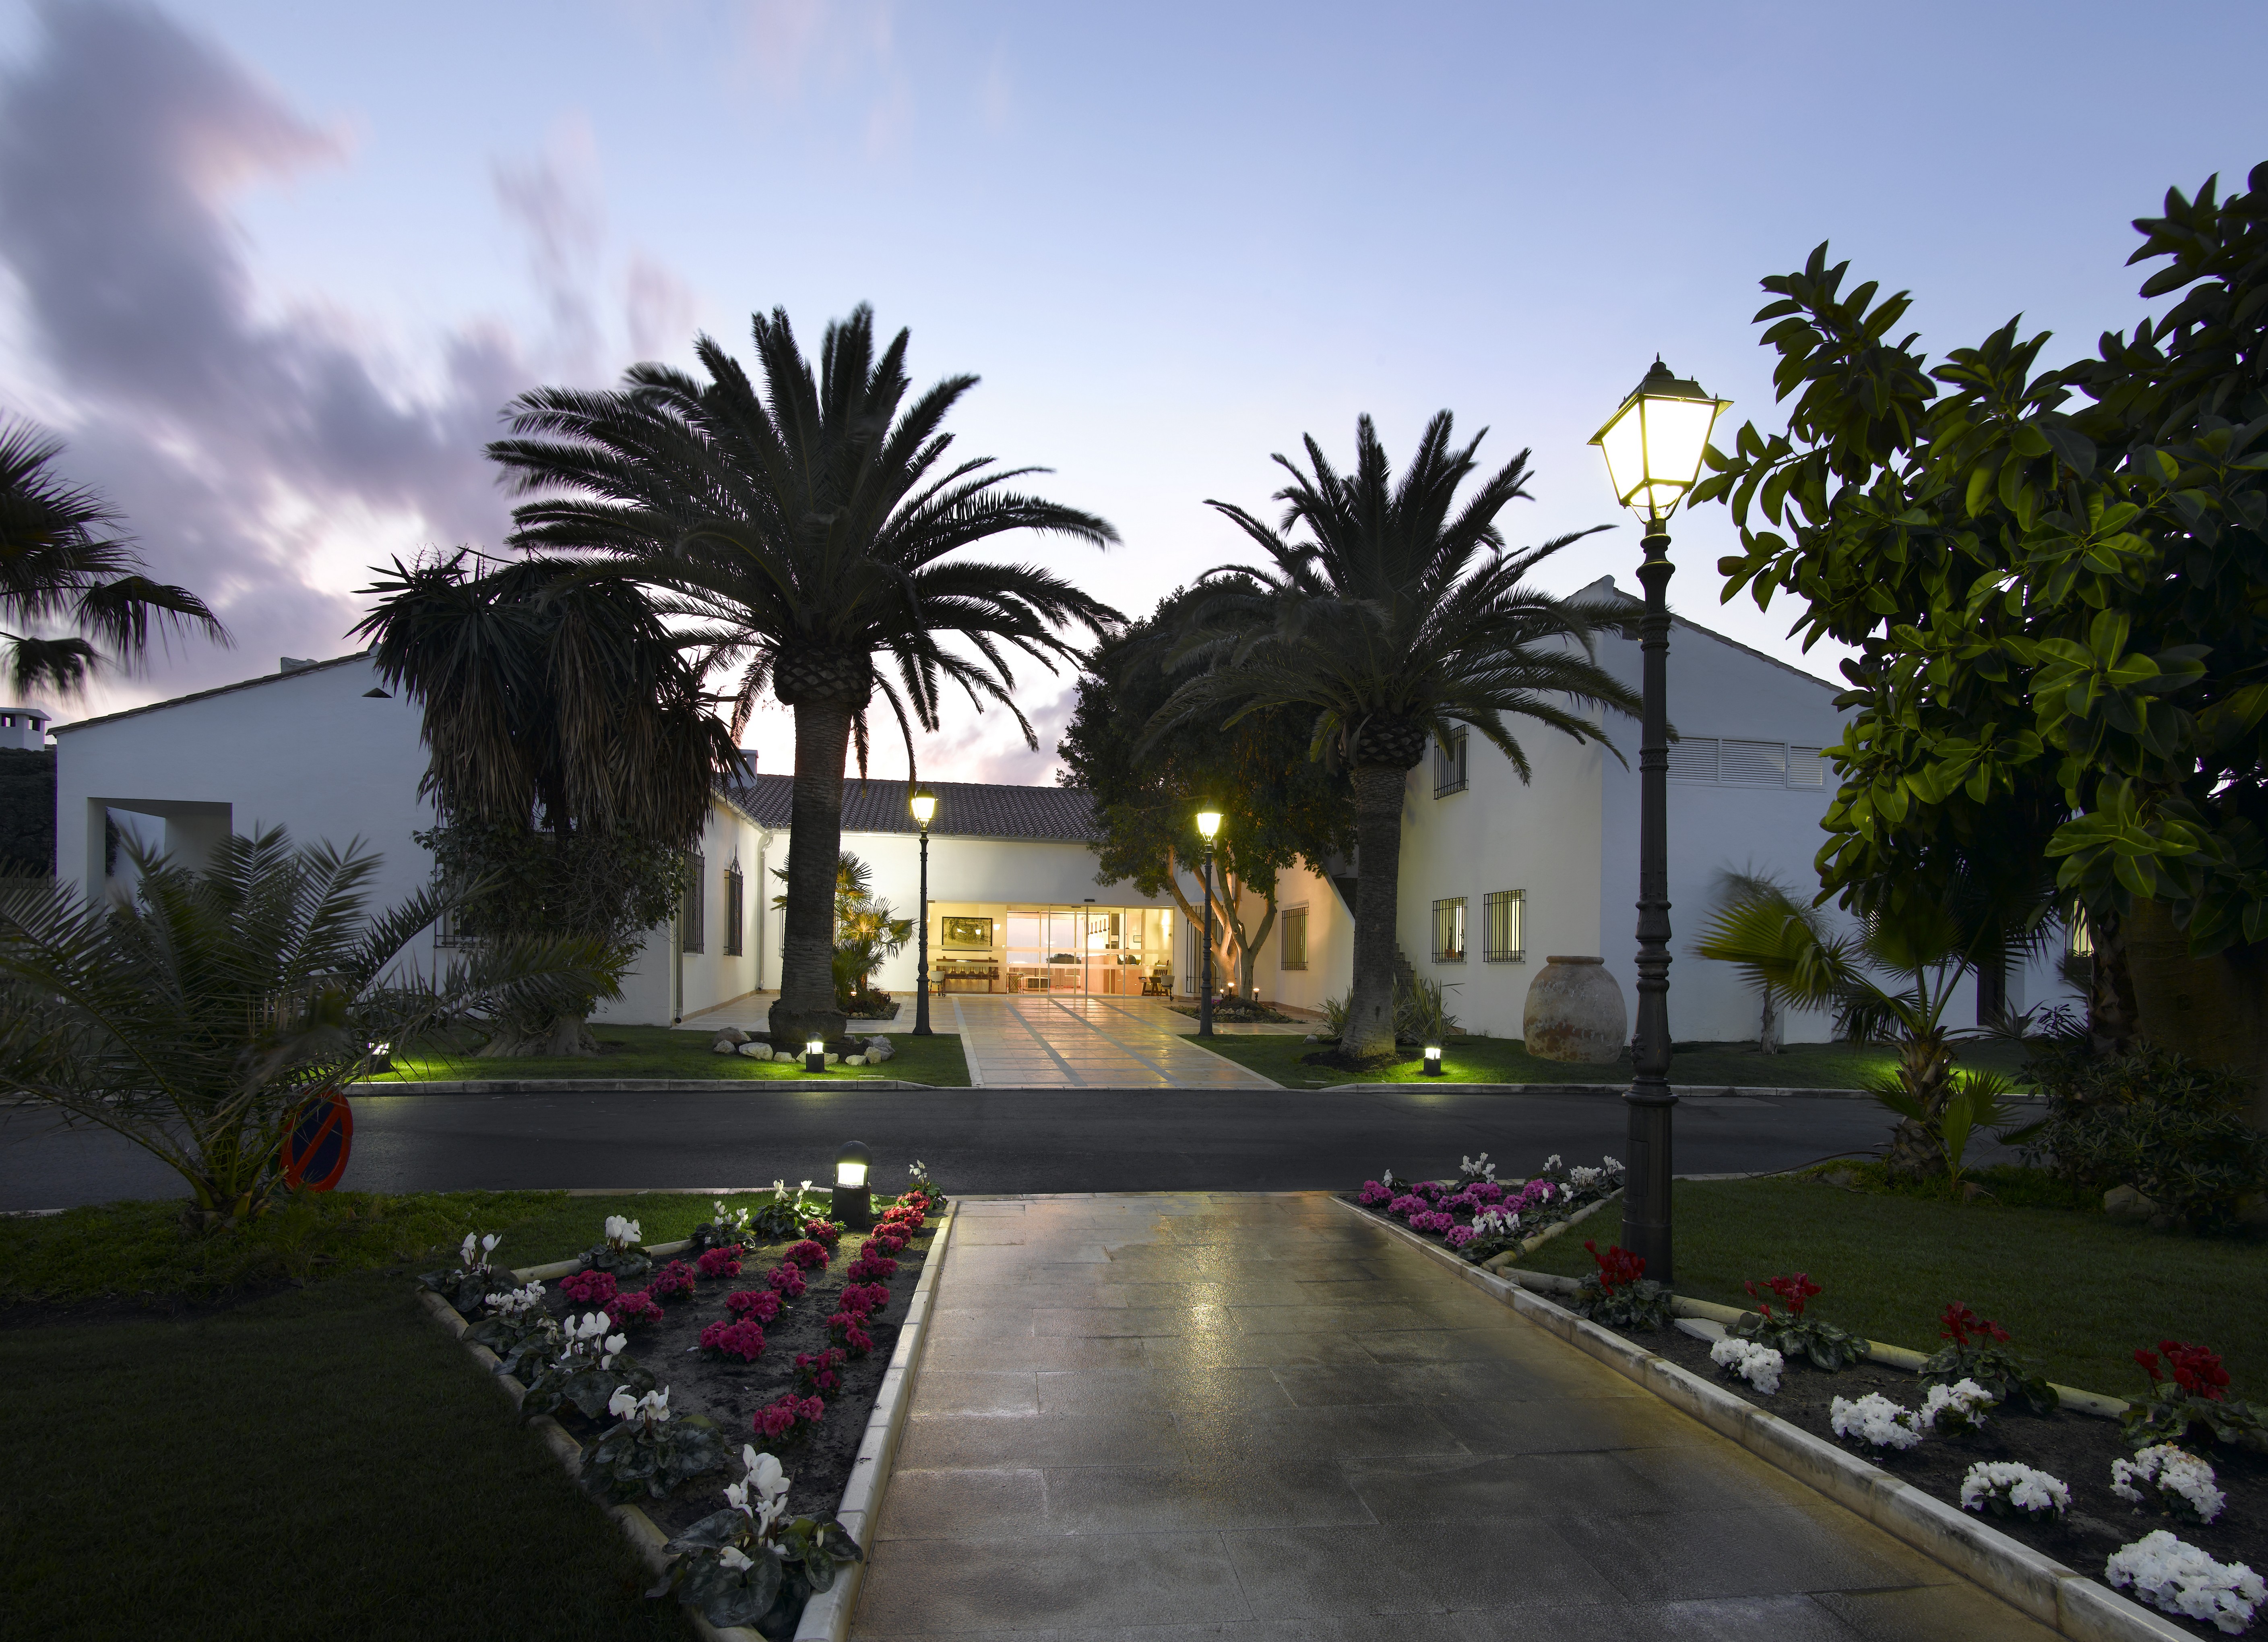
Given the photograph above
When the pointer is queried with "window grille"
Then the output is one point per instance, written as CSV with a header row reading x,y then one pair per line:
x,y
1753,764
1295,939
1449,766
1693,759
689,918
445,930
2083,939
1504,937
735,910
1807,766
1449,931
1747,763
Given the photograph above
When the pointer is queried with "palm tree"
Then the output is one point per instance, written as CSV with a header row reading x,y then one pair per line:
x,y
196,1019
572,754
808,531
1397,616
59,566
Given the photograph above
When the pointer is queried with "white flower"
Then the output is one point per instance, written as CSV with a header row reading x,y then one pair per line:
x,y
1611,1165
1479,1168
1874,1420
1581,1176
2176,1578
1958,1407
1759,1365
2179,1482
489,1243
804,1187
517,1302
2035,1493
1549,1163
732,1557
620,1232
465,1254
621,1405
654,1405
1495,1223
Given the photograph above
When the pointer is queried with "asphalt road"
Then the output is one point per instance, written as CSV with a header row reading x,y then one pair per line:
x,y
973,1140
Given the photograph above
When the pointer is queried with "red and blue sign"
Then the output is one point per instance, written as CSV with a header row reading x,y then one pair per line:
x,y
316,1146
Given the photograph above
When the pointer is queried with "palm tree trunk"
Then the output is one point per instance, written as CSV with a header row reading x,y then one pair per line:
x,y
1378,794
2112,1017
806,1008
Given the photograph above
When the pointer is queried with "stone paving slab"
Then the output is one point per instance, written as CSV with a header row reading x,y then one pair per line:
x,y
1253,1416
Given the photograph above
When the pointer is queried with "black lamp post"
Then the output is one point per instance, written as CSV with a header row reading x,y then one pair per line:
x,y
924,804
1654,445
1208,827
853,1204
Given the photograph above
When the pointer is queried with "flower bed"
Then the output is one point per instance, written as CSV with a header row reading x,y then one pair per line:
x,y
2023,1451
664,1397
1479,1216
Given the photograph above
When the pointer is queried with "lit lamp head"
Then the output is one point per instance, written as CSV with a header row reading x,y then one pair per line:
x,y
814,1055
1208,825
1654,443
854,1203
924,804
1432,1060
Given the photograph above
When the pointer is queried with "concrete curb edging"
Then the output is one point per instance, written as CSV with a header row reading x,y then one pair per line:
x,y
1528,1246
827,1616
625,1086
2062,1598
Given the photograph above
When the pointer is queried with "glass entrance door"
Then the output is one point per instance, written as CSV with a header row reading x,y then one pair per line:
x,y
1104,951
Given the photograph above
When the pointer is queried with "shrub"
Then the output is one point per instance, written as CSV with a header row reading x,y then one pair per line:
x,y
466,1284
1975,1354
648,1451
591,1367
2175,1131
736,1567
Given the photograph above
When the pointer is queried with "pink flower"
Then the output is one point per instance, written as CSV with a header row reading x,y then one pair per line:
x,y
826,1231
1407,1204
819,1370
672,1280
1429,1190
787,1280
1432,1220
1458,1236
637,1306
762,1304
810,1256
859,1299
1486,1192
721,1263
1372,1193
744,1340
589,1288
781,1417
867,1267
888,1242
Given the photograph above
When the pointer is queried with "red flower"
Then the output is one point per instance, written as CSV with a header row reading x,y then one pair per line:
x,y
637,1306
787,1280
858,1300
819,1370
865,1268
1960,1325
826,1231
589,1288
2149,1361
763,1304
672,1279
1792,1291
888,1242
1617,1267
721,1263
2196,1370
744,1340
780,1417
806,1254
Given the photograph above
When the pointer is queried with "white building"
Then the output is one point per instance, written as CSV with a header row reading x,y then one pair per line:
x,y
1496,875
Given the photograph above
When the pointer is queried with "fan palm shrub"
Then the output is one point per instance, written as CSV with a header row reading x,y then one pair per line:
x,y
60,566
1393,615
809,531
572,754
197,1018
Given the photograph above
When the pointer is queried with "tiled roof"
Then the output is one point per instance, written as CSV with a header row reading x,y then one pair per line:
x,y
965,809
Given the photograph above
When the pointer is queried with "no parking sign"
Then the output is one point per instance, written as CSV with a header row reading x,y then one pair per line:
x,y
316,1146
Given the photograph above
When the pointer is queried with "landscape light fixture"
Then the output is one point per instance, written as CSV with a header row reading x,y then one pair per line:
x,y
1432,1060
853,1204
1208,829
1654,445
922,803
814,1055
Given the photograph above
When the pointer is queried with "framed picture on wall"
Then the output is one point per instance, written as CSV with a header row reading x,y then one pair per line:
x,y
965,932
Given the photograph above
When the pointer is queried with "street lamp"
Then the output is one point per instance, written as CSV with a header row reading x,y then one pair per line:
x,y
1208,828
1654,445
853,1204
1432,1068
814,1055
924,804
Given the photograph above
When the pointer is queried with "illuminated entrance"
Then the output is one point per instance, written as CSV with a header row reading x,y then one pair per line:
x,y
1109,951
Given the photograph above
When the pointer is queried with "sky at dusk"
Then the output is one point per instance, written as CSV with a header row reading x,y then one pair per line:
x,y
272,270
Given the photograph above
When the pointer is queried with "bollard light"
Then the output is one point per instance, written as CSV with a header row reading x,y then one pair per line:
x,y
814,1055
854,1203
1432,1060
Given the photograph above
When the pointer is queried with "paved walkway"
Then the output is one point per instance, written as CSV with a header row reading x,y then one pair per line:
x,y
1168,1417
1035,1041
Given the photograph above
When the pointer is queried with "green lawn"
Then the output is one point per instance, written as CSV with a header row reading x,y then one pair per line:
x,y
323,1462
669,1052
1506,1060
2078,1291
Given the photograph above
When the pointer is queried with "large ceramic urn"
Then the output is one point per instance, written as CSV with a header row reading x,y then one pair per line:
x,y
1575,1012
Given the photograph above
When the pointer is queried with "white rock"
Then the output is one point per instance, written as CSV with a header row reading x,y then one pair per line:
x,y
854,1060
723,1046
831,1060
785,1054
755,1051
732,1034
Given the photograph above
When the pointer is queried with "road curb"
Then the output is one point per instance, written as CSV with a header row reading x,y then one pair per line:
x,y
2062,1598
629,1086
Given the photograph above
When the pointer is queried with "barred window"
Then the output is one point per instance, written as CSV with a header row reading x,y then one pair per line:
x,y
446,933
1449,766
1295,939
1504,939
2083,939
689,918
1449,931
735,909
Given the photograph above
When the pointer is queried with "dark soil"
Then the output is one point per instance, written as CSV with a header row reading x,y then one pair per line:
x,y
730,1391
1237,1013
2076,1449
